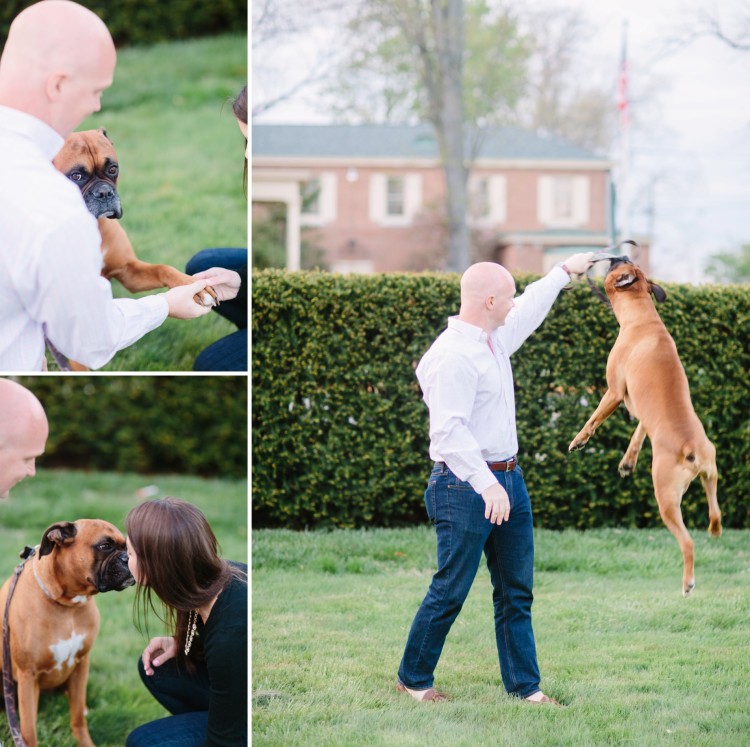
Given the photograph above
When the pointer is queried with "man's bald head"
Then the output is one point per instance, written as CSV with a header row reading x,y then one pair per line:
x,y
483,279
57,51
23,434
487,291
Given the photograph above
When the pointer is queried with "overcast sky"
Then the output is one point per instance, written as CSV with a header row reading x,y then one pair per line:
x,y
698,140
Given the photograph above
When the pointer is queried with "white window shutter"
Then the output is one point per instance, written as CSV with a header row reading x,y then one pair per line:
x,y
328,197
412,195
581,200
545,200
498,196
378,197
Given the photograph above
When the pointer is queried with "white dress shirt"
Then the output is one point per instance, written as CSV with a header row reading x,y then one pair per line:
x,y
50,261
468,385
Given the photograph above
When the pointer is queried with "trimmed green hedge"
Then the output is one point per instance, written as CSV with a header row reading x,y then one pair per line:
x,y
145,21
192,425
340,432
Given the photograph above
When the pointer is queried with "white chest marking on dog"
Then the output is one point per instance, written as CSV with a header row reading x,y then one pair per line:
x,y
81,599
65,651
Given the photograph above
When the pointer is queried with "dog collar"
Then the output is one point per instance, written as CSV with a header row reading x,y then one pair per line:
x,y
75,601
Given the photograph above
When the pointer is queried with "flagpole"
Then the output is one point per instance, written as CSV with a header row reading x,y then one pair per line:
x,y
623,105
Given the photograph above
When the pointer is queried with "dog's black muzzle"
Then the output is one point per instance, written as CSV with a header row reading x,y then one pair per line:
x,y
102,200
114,574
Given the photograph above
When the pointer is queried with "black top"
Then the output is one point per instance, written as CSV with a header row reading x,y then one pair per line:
x,y
224,640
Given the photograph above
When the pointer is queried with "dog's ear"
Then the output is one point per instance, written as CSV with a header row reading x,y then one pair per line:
x,y
59,534
102,131
625,280
660,295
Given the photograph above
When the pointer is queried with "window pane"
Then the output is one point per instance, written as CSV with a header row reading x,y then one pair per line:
x,y
394,196
311,197
563,198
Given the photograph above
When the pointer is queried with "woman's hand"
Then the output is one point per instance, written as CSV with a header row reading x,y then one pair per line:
x,y
157,652
226,283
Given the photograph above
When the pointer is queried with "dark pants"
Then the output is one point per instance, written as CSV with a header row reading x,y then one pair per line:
x,y
230,352
462,535
185,695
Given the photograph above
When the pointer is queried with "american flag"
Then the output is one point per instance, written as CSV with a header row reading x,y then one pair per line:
x,y
622,81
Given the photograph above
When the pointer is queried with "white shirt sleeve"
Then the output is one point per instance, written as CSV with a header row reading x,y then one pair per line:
x,y
75,304
531,308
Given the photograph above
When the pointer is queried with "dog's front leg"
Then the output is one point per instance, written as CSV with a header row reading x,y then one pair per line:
x,y
628,462
76,692
28,705
607,406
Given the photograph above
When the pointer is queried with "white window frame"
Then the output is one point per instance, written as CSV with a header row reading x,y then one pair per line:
x,y
563,200
496,197
326,203
378,202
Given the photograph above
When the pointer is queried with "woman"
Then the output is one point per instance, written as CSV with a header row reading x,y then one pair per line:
x,y
199,674
230,352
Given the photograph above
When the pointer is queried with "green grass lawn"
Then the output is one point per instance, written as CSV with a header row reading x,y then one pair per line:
x,y
117,700
635,662
181,156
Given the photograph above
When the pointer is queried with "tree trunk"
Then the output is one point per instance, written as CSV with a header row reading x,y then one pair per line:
x,y
447,111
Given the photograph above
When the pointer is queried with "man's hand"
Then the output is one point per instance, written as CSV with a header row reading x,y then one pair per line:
x,y
577,264
226,283
497,504
157,652
181,303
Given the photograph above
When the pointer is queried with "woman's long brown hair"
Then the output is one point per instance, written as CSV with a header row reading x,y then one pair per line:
x,y
178,561
239,107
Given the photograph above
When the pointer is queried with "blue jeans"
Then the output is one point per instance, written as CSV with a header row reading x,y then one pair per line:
x,y
230,352
462,535
183,694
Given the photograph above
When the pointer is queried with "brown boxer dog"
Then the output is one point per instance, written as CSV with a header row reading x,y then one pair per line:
x,y
53,618
89,160
645,372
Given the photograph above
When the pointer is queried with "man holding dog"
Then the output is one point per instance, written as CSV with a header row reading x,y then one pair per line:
x,y
23,434
476,496
58,59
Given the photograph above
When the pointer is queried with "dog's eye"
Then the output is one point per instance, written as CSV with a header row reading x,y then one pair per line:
x,y
104,546
75,176
112,170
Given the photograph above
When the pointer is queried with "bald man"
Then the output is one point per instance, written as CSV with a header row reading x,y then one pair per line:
x,y
23,434
476,496
58,59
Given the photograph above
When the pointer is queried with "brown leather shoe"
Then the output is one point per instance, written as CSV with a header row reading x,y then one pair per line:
x,y
430,695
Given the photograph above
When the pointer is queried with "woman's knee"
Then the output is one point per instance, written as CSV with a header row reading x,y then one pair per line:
x,y
140,737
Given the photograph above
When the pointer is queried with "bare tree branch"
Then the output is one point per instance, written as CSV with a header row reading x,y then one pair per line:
x,y
709,24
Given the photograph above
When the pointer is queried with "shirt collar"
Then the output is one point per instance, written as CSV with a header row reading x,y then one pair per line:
x,y
28,126
467,330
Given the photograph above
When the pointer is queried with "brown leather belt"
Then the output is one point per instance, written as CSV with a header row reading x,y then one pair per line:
x,y
507,466
503,466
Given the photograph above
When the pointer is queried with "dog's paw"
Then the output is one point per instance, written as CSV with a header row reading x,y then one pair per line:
x,y
207,297
626,468
688,588
577,443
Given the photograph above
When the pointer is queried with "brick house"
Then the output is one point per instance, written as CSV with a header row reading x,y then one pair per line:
x,y
371,196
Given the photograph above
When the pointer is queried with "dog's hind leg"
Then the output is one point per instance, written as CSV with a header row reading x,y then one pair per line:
x,y
709,481
669,487
706,466
628,462
607,406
